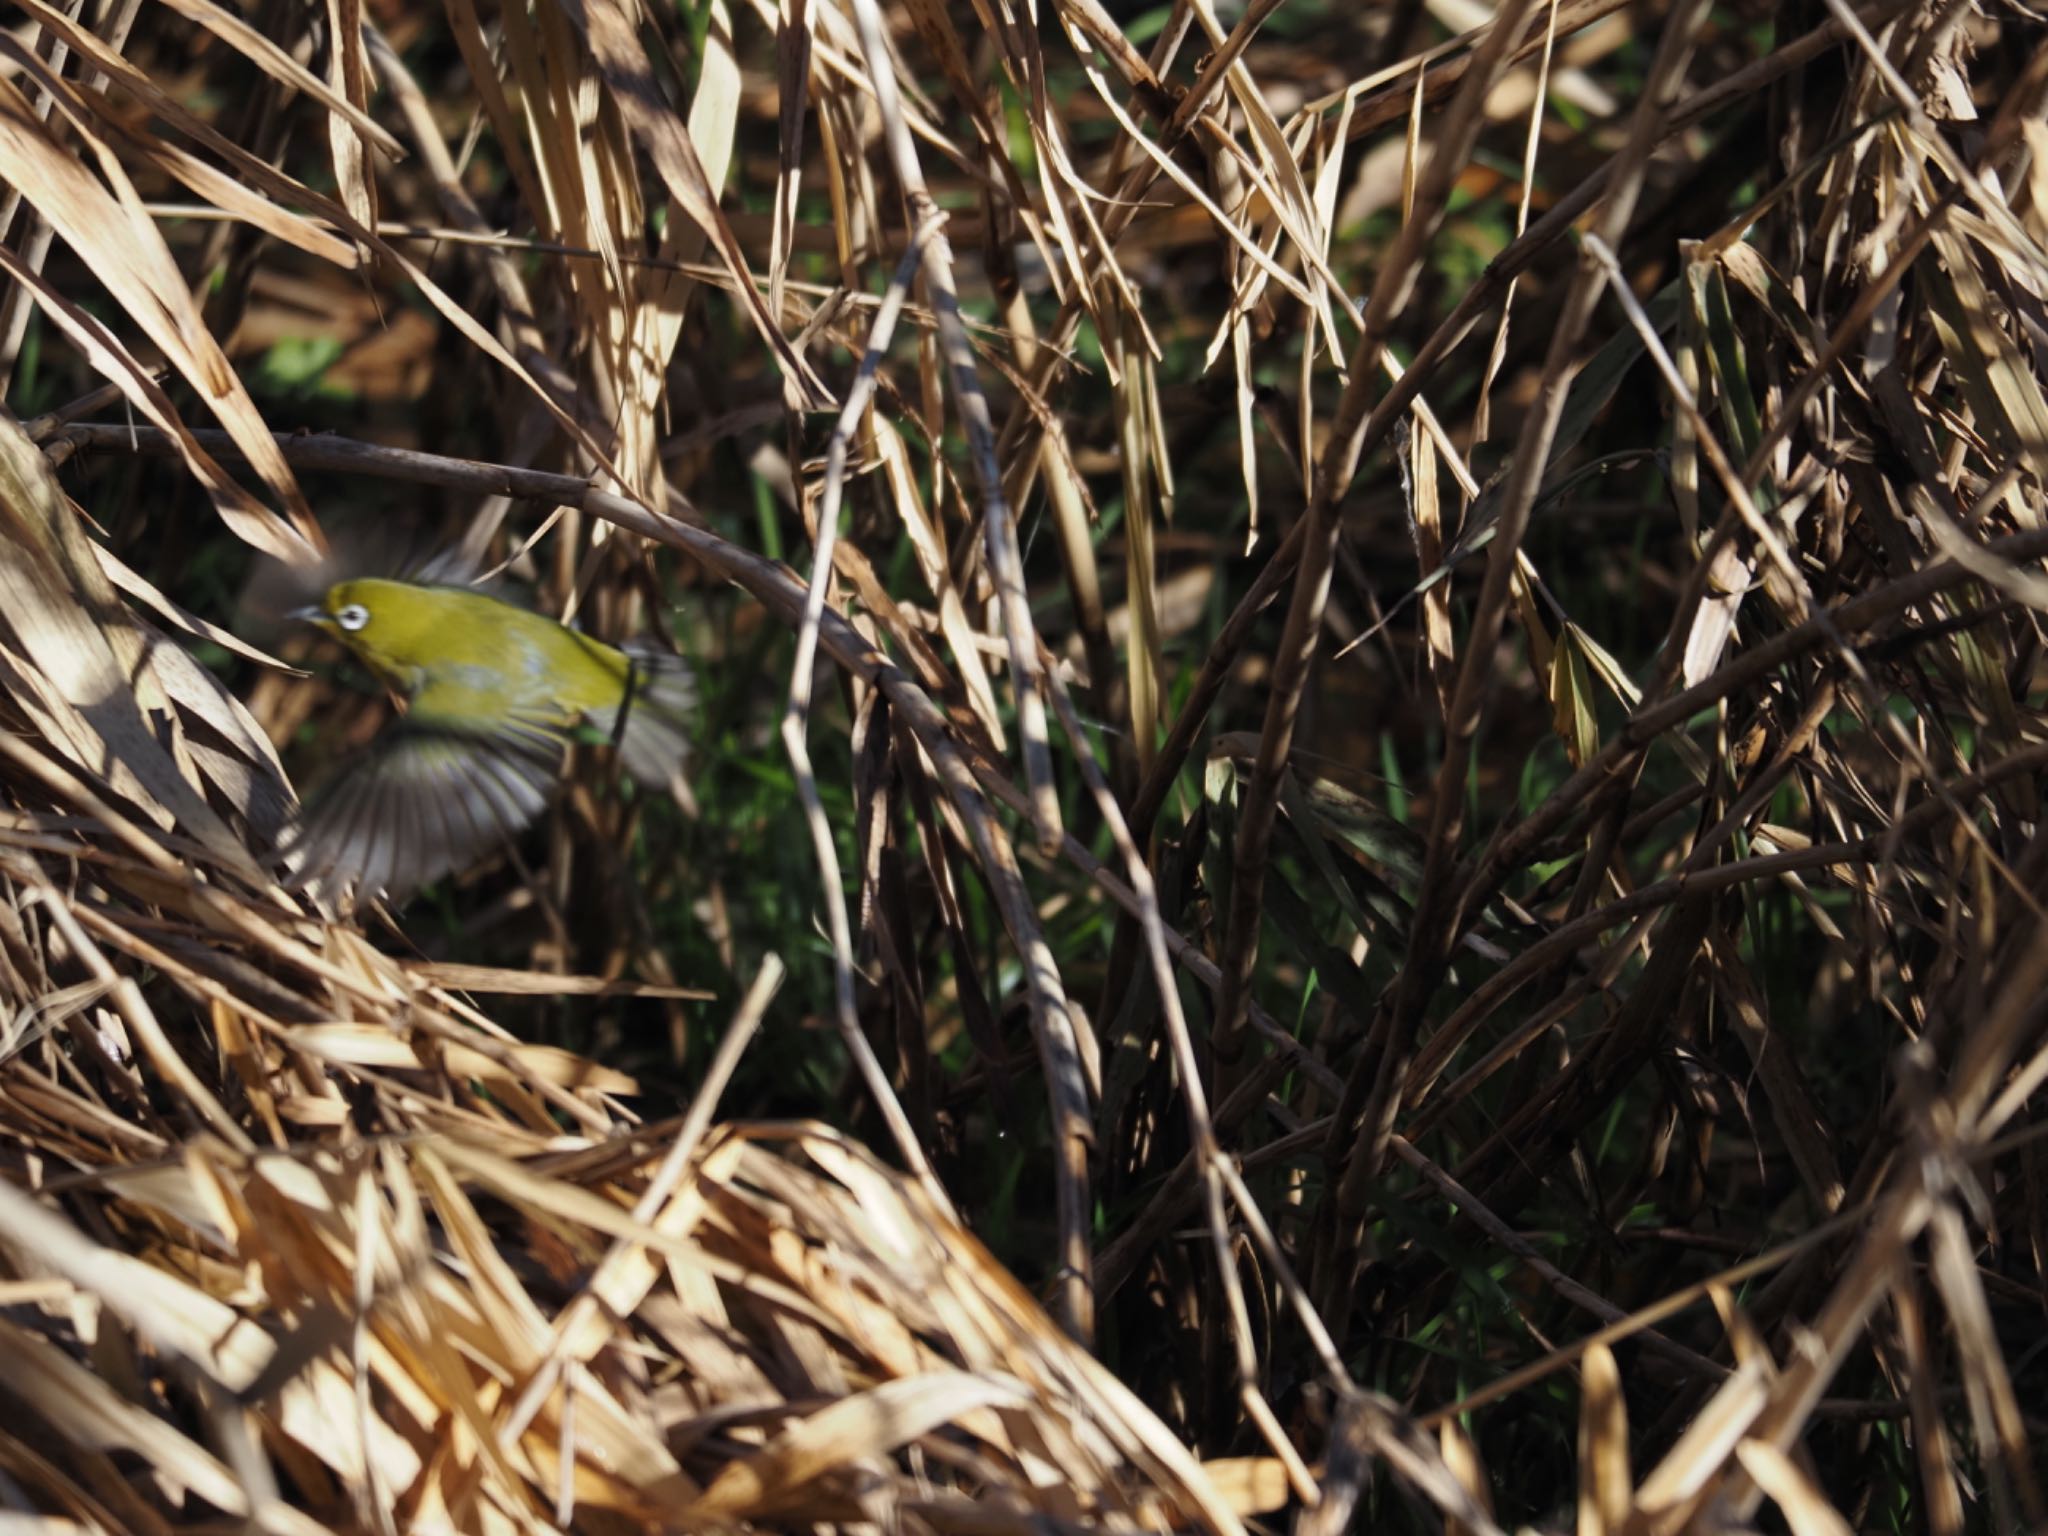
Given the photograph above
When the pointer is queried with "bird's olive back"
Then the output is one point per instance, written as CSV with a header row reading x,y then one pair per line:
x,y
472,641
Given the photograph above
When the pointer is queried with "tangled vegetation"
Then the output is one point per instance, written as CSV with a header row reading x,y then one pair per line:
x,y
1364,841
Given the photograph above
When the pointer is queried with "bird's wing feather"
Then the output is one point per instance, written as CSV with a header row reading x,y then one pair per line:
x,y
427,799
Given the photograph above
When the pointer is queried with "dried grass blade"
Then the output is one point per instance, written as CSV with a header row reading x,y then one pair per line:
x,y
499,979
1999,381
78,687
999,529
1605,1485
2003,1440
1426,519
127,254
793,28
249,518
170,1313
1144,657
1804,1506
847,1433
935,25
1229,227
224,192
468,30
934,565
267,56
73,1404
616,47
374,1045
348,69
260,174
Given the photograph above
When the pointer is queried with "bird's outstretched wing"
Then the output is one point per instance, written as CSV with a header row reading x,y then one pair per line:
x,y
427,799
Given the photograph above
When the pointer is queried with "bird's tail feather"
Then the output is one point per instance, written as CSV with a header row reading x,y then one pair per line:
x,y
655,739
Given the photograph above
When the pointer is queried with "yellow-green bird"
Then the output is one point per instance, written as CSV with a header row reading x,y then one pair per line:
x,y
495,695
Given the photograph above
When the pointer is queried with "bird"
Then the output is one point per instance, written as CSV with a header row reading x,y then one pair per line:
x,y
495,694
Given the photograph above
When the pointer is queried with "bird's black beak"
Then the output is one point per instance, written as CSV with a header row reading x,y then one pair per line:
x,y
312,613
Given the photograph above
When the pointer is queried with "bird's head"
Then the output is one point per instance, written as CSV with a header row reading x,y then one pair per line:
x,y
397,628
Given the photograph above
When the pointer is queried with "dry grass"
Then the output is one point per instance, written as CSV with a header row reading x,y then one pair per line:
x,y
1421,804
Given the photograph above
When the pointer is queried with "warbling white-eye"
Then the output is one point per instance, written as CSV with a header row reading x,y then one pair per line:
x,y
495,695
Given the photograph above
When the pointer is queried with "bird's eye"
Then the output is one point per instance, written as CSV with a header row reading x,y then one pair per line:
x,y
353,617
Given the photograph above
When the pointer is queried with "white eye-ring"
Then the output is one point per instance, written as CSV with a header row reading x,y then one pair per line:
x,y
353,617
